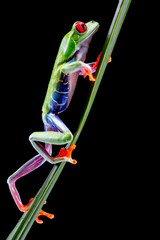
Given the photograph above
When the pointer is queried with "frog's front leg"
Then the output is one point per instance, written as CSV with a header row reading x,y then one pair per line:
x,y
78,66
83,68
61,136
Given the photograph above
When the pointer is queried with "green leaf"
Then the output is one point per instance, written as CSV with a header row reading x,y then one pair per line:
x,y
26,221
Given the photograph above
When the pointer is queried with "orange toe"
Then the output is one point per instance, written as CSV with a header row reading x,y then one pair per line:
x,y
67,153
41,212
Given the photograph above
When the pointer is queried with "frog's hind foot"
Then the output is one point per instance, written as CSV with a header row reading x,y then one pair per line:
x,y
49,215
67,153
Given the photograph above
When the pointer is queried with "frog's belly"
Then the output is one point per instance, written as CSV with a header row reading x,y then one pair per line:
x,y
73,77
62,95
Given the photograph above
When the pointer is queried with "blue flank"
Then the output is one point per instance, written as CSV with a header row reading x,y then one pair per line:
x,y
59,98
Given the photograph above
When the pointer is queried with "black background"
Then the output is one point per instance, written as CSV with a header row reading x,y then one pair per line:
x,y
100,195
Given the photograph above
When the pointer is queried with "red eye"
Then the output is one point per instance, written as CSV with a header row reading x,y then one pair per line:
x,y
81,27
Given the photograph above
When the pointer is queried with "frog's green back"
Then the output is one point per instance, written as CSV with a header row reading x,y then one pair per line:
x,y
52,85
54,76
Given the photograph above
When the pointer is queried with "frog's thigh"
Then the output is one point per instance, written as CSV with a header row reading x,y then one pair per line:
x,y
60,134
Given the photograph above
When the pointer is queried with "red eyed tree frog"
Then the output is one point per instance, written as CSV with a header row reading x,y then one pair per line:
x,y
69,64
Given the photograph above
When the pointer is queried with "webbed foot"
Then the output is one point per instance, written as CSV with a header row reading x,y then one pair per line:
x,y
26,207
67,153
87,71
98,58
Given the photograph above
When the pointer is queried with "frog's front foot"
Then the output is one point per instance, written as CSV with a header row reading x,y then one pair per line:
x,y
25,208
67,153
87,71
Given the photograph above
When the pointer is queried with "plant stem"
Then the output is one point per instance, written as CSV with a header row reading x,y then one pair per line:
x,y
25,223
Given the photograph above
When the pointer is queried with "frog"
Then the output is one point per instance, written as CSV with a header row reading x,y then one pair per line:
x,y
69,64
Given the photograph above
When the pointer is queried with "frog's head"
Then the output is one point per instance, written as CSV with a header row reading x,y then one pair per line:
x,y
81,31
79,38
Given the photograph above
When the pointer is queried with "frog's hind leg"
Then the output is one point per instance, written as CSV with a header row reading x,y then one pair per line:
x,y
28,167
58,135
55,133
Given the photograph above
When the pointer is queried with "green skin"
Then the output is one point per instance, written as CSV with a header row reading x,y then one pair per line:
x,y
70,61
69,45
